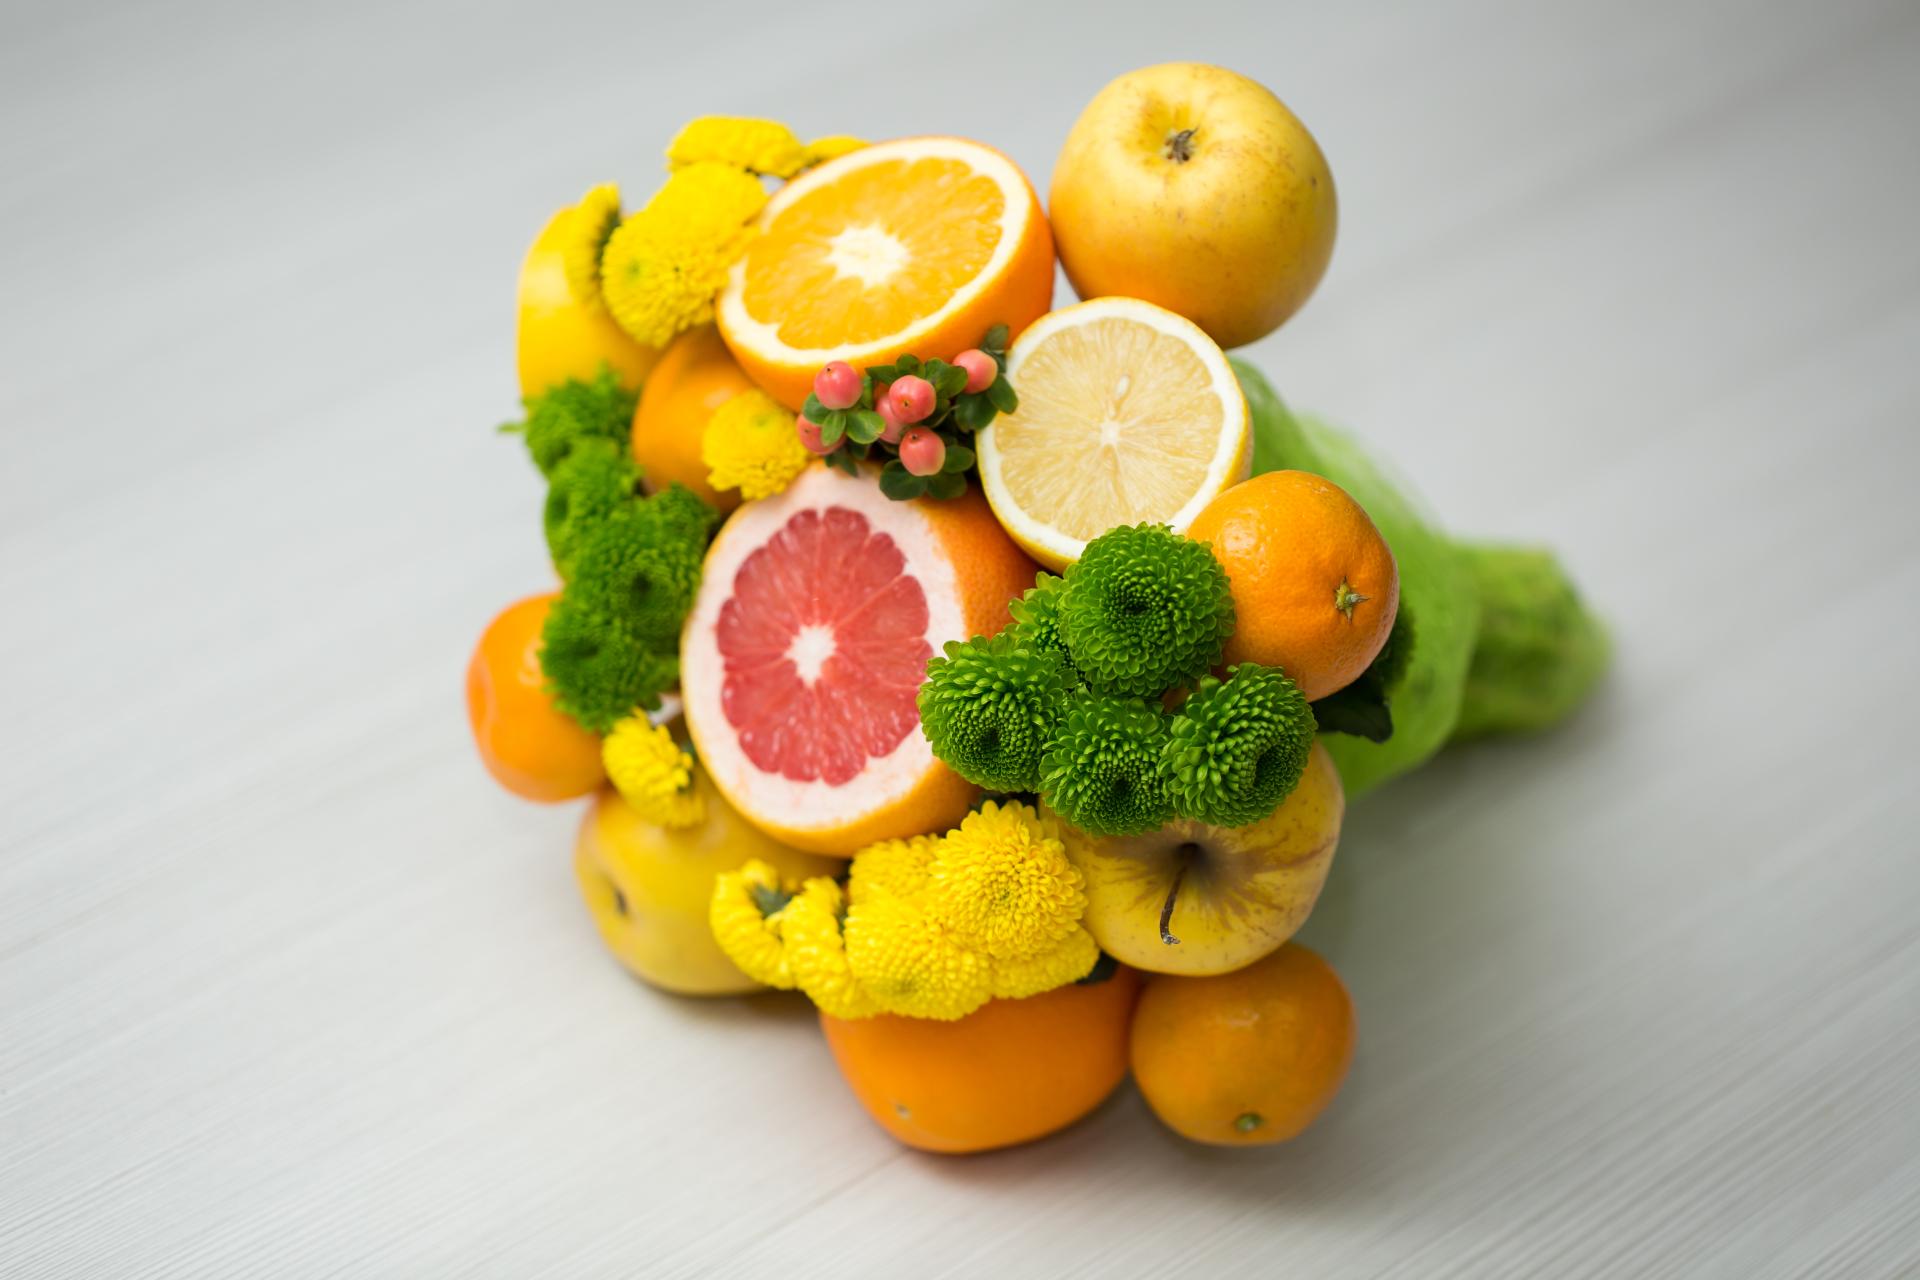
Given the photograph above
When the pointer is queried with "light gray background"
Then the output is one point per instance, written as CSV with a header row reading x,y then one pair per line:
x,y
288,988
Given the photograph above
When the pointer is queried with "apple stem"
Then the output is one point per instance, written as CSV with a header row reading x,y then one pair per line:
x,y
1173,891
1180,146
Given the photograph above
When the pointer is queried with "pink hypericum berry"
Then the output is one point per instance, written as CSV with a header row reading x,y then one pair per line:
x,y
912,398
981,370
922,451
883,405
809,433
837,385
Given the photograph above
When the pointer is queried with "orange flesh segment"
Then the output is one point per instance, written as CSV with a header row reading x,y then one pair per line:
x,y
867,255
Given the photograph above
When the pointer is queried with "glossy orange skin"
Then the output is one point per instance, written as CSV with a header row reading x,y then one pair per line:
x,y
1013,1071
1245,1058
695,376
1290,541
531,748
557,337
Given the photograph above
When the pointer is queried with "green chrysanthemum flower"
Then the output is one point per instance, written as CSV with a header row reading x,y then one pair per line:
x,y
575,410
638,573
1103,771
1036,619
989,707
598,673
1238,746
682,514
591,483
1145,609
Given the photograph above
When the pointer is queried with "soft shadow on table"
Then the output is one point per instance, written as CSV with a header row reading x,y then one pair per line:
x,y
1382,1139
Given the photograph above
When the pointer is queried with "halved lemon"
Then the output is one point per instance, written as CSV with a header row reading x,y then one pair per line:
x,y
915,246
1128,413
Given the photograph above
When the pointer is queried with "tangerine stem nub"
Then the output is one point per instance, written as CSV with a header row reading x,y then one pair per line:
x,y
1345,597
1248,1121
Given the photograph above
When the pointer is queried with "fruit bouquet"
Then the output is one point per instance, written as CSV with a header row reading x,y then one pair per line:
x,y
994,675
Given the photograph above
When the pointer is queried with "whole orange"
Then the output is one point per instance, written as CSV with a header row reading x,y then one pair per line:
x,y
1012,1071
695,376
1248,1057
529,746
1314,586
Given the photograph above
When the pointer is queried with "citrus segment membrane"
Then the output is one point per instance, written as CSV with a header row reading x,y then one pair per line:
x,y
1128,413
824,643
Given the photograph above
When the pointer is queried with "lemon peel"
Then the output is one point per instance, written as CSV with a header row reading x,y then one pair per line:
x,y
758,146
653,773
746,914
1003,885
749,444
817,951
588,225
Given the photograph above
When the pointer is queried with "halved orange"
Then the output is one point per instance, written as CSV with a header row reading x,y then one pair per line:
x,y
915,246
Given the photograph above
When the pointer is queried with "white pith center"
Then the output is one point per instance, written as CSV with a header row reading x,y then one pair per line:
x,y
810,650
867,253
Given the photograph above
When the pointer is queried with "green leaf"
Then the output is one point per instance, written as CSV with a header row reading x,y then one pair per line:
x,y
833,426
1359,709
880,373
905,365
970,413
1001,393
864,426
899,483
959,457
948,484
866,390
949,380
813,410
995,341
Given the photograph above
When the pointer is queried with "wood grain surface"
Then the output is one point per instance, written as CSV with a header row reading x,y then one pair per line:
x,y
288,988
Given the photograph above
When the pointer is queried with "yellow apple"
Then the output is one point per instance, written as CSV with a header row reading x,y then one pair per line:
x,y
560,337
1195,899
647,888
1194,188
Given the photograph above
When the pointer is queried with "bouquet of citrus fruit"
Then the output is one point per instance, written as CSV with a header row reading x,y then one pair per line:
x,y
955,660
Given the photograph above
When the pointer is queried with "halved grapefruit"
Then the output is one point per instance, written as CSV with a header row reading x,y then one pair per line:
x,y
807,644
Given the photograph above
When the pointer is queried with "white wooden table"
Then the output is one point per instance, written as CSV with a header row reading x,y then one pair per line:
x,y
287,988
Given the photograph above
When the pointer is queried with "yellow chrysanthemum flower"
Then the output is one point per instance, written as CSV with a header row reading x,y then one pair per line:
x,y
750,445
1002,883
1070,961
746,914
910,965
653,773
589,223
821,150
709,195
817,951
892,867
762,146
662,267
